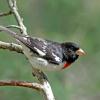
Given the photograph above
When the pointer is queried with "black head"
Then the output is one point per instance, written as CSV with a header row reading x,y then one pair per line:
x,y
71,51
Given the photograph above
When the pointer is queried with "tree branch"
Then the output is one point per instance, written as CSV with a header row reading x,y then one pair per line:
x,y
11,47
46,88
5,14
12,26
35,86
47,91
13,7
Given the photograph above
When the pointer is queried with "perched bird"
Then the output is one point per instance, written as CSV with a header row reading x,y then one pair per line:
x,y
45,54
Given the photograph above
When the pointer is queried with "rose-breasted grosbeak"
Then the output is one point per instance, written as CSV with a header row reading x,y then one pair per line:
x,y
45,54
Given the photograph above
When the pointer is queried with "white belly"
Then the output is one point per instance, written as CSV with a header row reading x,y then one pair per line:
x,y
40,63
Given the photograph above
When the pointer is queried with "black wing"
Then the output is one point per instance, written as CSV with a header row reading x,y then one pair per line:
x,y
46,49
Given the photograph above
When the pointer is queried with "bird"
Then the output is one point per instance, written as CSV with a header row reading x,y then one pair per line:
x,y
47,55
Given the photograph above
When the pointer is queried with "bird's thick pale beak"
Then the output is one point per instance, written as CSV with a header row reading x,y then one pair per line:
x,y
80,52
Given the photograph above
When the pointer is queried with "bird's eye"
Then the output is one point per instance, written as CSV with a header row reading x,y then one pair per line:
x,y
72,48
69,51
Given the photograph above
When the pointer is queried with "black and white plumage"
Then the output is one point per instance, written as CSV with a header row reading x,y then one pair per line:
x,y
51,51
45,54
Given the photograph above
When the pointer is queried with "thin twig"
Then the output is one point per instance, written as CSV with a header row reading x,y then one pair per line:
x,y
11,47
5,14
12,26
35,86
14,9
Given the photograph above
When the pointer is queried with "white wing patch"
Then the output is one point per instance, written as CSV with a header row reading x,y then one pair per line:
x,y
39,51
56,57
45,44
44,48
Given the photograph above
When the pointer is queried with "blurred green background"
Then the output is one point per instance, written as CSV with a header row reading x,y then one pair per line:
x,y
58,20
